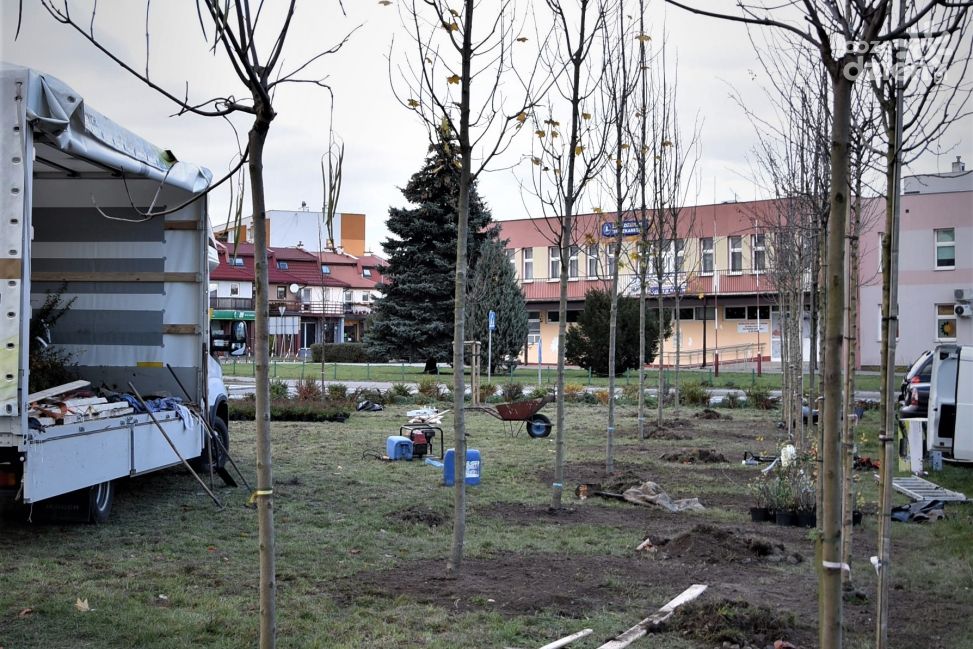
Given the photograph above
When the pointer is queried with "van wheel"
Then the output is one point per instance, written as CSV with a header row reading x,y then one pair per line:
x,y
220,449
100,497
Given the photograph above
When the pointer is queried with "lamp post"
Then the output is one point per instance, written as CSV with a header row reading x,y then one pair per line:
x,y
757,273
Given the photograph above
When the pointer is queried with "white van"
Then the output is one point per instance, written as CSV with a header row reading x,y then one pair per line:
x,y
950,420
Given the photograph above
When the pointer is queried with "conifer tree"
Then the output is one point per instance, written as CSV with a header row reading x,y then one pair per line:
x,y
494,287
414,318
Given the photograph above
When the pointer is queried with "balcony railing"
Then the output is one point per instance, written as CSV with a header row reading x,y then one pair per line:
x,y
231,303
721,282
293,307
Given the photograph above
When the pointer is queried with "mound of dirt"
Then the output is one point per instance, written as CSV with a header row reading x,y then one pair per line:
x,y
732,621
694,456
418,515
664,433
710,544
709,413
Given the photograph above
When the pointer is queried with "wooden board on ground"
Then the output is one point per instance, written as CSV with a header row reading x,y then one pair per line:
x,y
657,618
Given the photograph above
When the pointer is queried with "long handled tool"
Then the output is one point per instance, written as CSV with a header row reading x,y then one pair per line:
x,y
171,444
221,471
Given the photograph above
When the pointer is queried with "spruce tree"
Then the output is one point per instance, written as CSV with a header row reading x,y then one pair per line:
x,y
414,318
494,286
587,340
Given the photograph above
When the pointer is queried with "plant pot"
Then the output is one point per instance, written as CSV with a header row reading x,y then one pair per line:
x,y
856,517
786,518
761,515
807,518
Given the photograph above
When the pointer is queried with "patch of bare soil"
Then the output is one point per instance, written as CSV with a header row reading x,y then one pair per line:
x,y
695,456
712,544
592,512
419,515
664,433
709,413
732,621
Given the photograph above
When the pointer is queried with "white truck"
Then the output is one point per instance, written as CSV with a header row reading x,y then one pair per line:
x,y
73,219
949,428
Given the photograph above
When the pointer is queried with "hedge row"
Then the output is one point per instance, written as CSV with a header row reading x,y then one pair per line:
x,y
344,353
289,410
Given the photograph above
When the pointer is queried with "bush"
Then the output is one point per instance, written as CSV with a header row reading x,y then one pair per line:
x,y
573,391
602,397
429,388
370,394
400,390
731,400
344,353
278,389
308,390
487,390
287,410
337,391
512,391
538,393
758,396
694,394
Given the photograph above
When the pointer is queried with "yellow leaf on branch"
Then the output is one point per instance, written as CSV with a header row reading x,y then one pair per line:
x,y
454,79
413,103
522,117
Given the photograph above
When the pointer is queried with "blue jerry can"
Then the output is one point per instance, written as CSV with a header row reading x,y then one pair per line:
x,y
398,447
472,467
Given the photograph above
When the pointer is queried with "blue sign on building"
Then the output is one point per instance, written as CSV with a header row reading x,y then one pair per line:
x,y
629,228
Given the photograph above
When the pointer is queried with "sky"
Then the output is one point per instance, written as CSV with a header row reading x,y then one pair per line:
x,y
385,143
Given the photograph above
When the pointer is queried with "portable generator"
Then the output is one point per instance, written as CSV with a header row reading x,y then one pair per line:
x,y
421,441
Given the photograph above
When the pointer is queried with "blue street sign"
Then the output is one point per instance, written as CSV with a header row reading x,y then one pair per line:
x,y
492,320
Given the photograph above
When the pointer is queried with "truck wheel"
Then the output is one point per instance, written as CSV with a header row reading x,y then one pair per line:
x,y
100,497
220,448
538,426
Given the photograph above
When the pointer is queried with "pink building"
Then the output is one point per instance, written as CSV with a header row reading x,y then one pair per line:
x,y
935,268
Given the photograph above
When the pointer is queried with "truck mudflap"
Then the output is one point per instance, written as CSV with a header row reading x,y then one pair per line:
x,y
69,457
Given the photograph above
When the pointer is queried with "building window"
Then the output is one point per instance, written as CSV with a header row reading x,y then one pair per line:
x,y
237,261
348,296
325,269
234,289
611,263
945,248
281,292
735,313
592,253
706,254
708,314
573,262
554,255
759,253
281,265
687,313
366,297
680,252
534,322
881,250
367,272
945,322
736,254
528,272
762,312
305,295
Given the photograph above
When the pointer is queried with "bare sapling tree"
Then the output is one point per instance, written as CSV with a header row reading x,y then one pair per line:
x,y
332,163
672,163
563,167
240,33
921,85
843,35
456,80
620,84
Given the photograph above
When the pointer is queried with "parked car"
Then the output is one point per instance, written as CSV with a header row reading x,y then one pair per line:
x,y
914,392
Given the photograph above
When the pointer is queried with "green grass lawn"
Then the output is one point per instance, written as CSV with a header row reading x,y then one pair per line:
x,y
405,373
171,571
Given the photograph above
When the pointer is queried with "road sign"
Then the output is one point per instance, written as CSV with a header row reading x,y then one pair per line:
x,y
492,320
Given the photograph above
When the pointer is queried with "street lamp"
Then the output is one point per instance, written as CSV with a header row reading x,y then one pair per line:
x,y
753,260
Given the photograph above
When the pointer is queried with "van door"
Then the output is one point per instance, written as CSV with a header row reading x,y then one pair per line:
x,y
942,398
963,434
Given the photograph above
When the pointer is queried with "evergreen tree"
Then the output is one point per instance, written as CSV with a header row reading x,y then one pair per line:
x,y
587,340
414,318
494,286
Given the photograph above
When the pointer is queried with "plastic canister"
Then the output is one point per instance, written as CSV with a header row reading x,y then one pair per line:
x,y
473,464
398,447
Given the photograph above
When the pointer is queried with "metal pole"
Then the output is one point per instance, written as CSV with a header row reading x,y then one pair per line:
x,y
489,355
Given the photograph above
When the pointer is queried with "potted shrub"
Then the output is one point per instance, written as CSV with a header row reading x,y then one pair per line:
x,y
806,501
760,512
782,500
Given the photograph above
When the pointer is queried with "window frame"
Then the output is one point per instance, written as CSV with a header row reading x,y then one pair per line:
x,y
942,317
281,292
527,264
704,254
553,263
727,316
325,269
282,264
937,244
366,272
234,289
573,267
593,259
758,248
736,251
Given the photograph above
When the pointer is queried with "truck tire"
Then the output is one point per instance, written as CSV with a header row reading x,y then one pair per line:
x,y
219,449
100,498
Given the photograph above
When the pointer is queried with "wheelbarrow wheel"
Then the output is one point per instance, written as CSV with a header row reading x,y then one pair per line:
x,y
538,426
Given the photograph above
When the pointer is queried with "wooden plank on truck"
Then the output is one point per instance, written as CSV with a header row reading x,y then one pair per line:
x,y
59,389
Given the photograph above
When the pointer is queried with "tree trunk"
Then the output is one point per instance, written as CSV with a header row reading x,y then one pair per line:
x,y
459,305
660,353
642,317
829,589
612,337
557,489
848,433
261,359
678,346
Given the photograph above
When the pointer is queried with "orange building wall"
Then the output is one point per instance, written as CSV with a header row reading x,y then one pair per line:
x,y
353,234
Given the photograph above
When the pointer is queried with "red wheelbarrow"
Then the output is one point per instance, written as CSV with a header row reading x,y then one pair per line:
x,y
520,413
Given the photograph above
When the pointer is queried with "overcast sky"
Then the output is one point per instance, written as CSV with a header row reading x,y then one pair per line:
x,y
384,143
